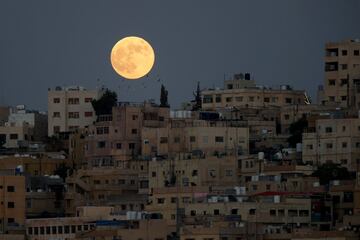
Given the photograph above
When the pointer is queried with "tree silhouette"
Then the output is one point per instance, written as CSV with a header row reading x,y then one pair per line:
x,y
163,97
104,105
197,95
296,130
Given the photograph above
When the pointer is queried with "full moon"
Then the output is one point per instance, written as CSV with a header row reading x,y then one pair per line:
x,y
132,57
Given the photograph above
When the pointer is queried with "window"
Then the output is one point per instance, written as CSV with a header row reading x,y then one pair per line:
x,y
216,212
134,117
74,115
60,229
287,116
251,99
153,174
207,99
11,188
192,139
343,98
331,98
30,230
48,230
344,52
161,200
163,140
239,99
218,98
266,99
309,146
88,114
219,139
56,114
328,129
56,129
343,66
13,136
229,99
228,173
176,139
356,52
234,211
88,99
73,101
332,82
193,213
194,173
344,81
205,139
329,145
268,186
56,100
343,161
272,212
118,145
288,100
131,145
101,144
344,144
11,205
252,211
134,131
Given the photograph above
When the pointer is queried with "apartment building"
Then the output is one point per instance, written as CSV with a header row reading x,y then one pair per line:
x,y
333,140
243,92
186,136
70,108
118,136
12,193
342,74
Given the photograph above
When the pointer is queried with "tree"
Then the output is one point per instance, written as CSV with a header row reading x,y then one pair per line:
x,y
163,97
197,95
296,130
104,105
331,171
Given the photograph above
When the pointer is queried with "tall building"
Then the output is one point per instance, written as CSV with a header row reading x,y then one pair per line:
x,y
70,108
342,74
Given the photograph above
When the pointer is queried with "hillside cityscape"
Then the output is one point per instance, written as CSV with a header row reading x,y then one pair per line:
x,y
240,162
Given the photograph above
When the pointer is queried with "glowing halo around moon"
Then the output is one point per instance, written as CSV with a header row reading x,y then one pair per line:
x,y
132,57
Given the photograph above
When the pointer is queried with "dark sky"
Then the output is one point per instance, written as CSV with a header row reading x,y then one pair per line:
x,y
46,43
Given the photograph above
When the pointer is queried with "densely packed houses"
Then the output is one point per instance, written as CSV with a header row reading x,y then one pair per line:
x,y
253,162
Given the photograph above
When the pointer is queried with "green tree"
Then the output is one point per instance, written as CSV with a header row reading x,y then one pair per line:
x,y
163,97
104,105
296,130
331,171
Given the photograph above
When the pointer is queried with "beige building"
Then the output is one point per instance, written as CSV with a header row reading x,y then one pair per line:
x,y
342,74
70,108
12,193
186,170
334,140
241,92
187,136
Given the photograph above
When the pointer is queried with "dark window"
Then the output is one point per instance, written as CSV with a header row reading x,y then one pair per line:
x,y
219,139
11,205
192,139
56,100
53,230
118,145
11,188
163,140
356,52
131,145
332,82
344,52
134,131
88,99
14,136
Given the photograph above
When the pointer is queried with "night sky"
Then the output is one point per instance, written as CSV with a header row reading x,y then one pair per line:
x,y
48,43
